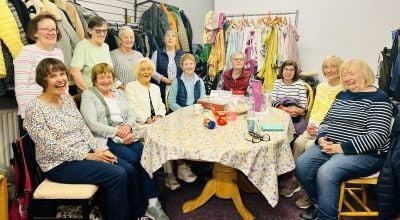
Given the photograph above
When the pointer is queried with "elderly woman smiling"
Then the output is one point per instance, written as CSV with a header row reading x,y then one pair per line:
x,y
107,114
66,150
144,97
352,144
125,57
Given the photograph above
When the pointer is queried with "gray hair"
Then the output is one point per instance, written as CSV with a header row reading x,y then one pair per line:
x,y
124,29
238,53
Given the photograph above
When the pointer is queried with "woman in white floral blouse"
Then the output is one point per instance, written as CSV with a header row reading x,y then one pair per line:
x,y
66,150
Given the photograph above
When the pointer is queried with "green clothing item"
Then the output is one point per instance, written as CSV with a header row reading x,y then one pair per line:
x,y
205,53
87,55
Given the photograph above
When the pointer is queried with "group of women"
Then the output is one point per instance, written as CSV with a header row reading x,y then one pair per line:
x,y
346,135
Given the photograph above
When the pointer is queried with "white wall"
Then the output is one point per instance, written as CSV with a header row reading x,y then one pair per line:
x,y
347,28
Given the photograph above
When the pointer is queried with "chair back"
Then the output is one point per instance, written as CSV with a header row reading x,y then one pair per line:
x,y
166,98
310,99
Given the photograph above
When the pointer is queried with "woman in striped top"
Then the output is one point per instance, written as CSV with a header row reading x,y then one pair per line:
x,y
44,31
289,94
352,140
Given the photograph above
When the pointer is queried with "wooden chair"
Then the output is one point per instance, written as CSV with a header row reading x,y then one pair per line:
x,y
310,99
46,192
166,98
3,198
357,190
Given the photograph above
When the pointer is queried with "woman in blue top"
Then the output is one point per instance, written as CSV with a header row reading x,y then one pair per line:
x,y
187,88
352,142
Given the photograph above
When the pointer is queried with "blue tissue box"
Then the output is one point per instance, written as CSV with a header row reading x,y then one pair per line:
x,y
272,127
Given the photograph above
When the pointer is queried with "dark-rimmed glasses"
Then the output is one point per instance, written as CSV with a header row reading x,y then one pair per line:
x,y
256,138
48,30
100,31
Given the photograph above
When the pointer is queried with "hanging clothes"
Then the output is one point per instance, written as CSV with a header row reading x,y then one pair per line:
x,y
267,72
9,34
155,20
291,51
217,56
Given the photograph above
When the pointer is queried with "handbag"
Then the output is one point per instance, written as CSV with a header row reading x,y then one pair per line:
x,y
23,186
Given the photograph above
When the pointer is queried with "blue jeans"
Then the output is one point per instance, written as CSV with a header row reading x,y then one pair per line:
x,y
113,179
321,175
132,153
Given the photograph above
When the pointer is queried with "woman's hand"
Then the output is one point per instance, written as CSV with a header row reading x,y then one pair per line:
x,y
102,155
329,147
312,129
123,131
166,80
149,120
129,139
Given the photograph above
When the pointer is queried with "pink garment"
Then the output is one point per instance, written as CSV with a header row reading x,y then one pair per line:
x,y
291,51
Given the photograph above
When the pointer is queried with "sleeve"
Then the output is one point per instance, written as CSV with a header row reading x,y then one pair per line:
x,y
378,129
202,88
160,109
23,69
303,95
132,95
274,94
156,76
173,92
44,137
90,112
79,58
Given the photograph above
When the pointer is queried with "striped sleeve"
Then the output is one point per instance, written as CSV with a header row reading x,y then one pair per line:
x,y
378,129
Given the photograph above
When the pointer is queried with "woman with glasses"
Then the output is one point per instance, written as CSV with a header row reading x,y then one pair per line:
x,y
43,31
289,94
236,79
90,52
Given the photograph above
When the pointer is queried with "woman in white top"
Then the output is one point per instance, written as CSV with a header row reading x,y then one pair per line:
x,y
144,97
44,31
145,100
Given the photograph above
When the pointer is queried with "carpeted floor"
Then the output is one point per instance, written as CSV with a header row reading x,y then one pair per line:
x,y
217,208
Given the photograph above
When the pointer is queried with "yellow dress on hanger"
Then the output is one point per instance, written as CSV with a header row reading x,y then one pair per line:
x,y
267,72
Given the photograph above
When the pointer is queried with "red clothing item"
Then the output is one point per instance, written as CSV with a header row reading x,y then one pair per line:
x,y
237,86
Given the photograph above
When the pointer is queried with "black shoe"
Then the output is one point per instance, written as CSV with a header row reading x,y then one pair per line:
x,y
311,213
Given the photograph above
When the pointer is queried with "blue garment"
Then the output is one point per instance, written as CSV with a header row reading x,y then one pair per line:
x,y
115,180
182,97
162,67
321,175
132,154
184,92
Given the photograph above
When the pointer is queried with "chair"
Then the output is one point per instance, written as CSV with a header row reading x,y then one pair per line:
x,y
166,98
46,192
310,99
359,206
3,198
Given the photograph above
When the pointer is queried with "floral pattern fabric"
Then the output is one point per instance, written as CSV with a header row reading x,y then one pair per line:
x,y
182,135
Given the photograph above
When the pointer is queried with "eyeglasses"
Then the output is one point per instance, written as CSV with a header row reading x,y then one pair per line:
x,y
48,30
256,138
289,69
99,31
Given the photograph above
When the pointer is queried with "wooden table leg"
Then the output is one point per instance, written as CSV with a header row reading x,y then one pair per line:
x,y
223,185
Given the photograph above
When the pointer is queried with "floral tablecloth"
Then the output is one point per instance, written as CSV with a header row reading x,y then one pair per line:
x,y
181,135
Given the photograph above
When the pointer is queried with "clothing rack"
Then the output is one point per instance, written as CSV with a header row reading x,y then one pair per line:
x,y
296,12
138,4
126,12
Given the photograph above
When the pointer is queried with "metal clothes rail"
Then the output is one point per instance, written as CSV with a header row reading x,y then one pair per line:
x,y
296,12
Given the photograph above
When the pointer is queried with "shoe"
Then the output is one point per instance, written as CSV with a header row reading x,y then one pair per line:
x,y
156,212
311,213
290,188
304,202
171,182
185,173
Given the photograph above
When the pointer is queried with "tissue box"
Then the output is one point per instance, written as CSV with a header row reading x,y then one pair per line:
x,y
209,103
